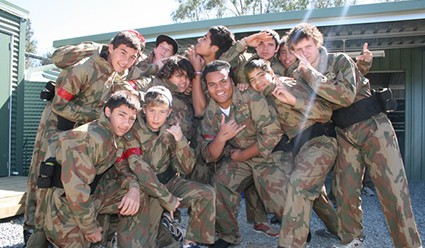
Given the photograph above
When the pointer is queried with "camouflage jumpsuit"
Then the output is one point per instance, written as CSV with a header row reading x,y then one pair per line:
x,y
312,162
265,171
71,211
148,154
80,93
370,143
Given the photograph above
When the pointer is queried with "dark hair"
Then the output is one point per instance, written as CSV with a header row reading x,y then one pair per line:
x,y
216,65
304,31
123,97
128,38
282,42
221,37
176,63
257,63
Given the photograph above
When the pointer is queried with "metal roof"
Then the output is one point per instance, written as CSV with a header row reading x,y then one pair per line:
x,y
384,26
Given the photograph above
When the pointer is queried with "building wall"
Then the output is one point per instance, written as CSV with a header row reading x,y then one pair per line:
x,y
13,24
412,62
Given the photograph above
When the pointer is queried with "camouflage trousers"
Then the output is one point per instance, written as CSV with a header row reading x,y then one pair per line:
x,y
48,122
270,180
311,166
373,144
201,198
60,226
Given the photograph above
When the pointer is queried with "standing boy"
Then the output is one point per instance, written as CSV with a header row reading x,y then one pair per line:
x,y
366,138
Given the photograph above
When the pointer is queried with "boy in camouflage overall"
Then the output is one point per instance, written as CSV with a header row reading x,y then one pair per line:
x,y
155,154
301,115
73,201
212,46
80,94
239,132
365,136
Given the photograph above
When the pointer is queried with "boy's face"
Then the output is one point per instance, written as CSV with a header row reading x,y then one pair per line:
x,y
180,79
260,79
122,119
203,47
163,50
266,49
309,49
122,57
220,87
286,57
156,116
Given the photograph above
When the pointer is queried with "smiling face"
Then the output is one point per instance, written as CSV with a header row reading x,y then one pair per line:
x,y
122,119
286,57
156,115
122,57
259,79
180,79
220,87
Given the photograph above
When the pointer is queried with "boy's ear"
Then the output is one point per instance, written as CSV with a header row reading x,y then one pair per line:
x,y
110,48
107,112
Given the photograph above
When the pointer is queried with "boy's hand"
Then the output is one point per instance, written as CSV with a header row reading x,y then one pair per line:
x,y
175,207
284,95
228,130
176,131
95,237
130,203
366,56
242,86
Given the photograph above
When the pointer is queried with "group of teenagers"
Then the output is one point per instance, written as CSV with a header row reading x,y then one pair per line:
x,y
128,139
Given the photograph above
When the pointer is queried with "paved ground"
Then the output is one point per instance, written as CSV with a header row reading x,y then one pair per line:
x,y
375,227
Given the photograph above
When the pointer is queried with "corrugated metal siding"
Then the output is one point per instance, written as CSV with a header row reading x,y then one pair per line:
x,y
33,107
412,62
12,25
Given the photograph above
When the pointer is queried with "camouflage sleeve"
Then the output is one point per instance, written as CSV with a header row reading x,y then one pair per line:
x,y
68,85
310,105
232,54
77,157
268,128
185,156
338,86
142,69
71,54
126,178
208,134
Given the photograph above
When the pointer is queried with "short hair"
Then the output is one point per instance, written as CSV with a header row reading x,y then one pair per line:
x,y
282,42
157,96
274,34
130,38
304,31
221,37
257,63
216,65
123,97
176,63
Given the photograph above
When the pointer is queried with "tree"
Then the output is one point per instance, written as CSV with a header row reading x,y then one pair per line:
x,y
31,47
196,10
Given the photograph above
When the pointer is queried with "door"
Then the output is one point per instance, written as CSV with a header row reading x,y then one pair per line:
x,y
5,81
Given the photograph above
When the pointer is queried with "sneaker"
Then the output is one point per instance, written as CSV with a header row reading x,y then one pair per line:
x,y
174,228
355,243
367,191
264,228
220,243
190,245
326,234
274,220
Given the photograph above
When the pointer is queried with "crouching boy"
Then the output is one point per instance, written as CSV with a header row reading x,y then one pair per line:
x,y
83,156
157,152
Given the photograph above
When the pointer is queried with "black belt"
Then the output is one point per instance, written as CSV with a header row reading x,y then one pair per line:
x,y
357,112
315,130
283,145
167,175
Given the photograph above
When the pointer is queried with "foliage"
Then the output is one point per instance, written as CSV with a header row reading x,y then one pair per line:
x,y
30,47
196,10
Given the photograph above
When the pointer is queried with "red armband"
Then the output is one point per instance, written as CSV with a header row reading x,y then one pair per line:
x,y
65,94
